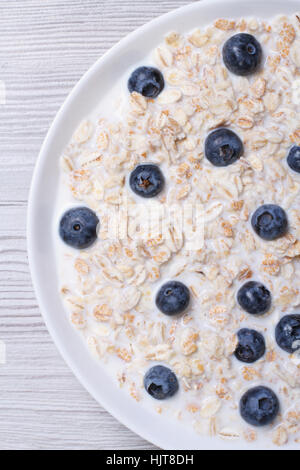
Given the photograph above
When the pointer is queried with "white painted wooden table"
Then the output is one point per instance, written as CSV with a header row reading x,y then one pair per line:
x,y
45,47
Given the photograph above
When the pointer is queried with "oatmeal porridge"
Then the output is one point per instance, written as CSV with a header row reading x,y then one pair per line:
x,y
179,224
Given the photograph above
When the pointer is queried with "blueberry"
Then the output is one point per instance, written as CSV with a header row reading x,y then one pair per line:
x,y
251,346
270,222
293,158
287,333
160,382
259,406
223,147
147,181
78,227
173,298
254,298
242,54
148,81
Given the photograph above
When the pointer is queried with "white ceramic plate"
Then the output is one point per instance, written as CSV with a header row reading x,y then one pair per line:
x,y
79,104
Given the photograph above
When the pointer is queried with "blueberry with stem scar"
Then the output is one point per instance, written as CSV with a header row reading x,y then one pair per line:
x,y
147,181
287,333
254,298
270,222
259,406
148,81
223,147
160,382
251,346
242,54
78,227
173,298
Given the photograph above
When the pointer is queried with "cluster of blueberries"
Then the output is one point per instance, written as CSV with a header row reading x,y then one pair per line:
x,y
242,55
259,405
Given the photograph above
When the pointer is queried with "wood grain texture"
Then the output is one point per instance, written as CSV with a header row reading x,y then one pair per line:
x,y
45,47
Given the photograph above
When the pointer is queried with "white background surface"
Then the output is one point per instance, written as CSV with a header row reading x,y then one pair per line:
x,y
45,47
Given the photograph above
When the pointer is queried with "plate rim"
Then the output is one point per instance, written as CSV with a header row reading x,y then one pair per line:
x,y
139,429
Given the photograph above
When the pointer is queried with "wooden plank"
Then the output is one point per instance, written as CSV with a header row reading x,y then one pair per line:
x,y
45,47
